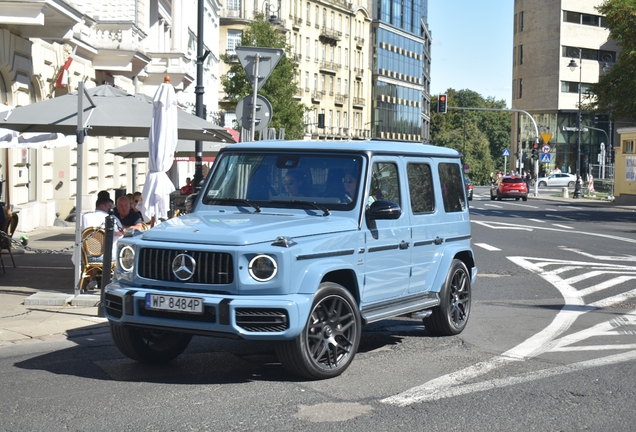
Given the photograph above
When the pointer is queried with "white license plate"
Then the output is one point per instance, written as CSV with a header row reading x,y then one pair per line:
x,y
514,190
174,303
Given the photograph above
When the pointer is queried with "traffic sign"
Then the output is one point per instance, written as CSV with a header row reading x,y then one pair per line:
x,y
545,149
505,152
263,112
545,158
546,137
268,58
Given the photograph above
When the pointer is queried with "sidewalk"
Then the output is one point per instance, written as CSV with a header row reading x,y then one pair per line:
x,y
37,298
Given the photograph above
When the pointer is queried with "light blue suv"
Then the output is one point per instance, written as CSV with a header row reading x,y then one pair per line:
x,y
301,243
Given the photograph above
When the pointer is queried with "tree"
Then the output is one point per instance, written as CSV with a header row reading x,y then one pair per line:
x,y
280,87
615,92
479,135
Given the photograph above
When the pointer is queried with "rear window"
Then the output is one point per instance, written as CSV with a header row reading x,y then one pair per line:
x,y
513,180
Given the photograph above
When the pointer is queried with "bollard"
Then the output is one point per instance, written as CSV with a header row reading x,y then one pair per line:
x,y
565,192
108,259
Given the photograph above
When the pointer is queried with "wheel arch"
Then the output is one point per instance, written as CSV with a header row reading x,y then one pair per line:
x,y
464,255
336,271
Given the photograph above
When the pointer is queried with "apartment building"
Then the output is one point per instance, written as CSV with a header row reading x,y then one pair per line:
x,y
560,47
364,65
131,44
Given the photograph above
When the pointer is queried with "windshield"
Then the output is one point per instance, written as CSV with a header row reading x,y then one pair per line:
x,y
285,180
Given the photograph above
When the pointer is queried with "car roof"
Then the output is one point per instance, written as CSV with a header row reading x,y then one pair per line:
x,y
374,146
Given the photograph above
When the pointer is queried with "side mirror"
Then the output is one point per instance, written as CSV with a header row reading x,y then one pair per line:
x,y
190,202
386,210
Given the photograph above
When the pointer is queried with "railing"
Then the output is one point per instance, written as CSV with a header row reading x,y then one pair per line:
x,y
329,33
358,101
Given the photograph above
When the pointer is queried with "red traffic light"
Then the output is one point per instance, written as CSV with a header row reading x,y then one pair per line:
x,y
441,104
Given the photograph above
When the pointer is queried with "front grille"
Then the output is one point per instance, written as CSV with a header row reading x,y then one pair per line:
x,y
211,267
209,314
114,305
262,320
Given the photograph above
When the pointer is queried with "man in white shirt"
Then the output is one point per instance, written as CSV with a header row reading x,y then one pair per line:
x,y
97,218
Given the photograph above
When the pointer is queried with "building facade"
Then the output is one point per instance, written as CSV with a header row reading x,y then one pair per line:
x,y
361,64
559,49
131,44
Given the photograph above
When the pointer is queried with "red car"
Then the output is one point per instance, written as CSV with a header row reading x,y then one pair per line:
x,y
509,187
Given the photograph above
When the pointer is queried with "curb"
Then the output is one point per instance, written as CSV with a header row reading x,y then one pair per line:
x,y
57,299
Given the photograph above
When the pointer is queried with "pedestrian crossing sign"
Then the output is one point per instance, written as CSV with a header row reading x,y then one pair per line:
x,y
545,158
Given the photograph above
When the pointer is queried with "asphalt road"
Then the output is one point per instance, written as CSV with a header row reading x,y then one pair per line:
x,y
550,345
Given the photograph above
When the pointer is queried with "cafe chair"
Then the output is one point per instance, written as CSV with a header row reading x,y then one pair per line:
x,y
92,255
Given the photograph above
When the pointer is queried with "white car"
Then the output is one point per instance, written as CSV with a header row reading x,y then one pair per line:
x,y
561,179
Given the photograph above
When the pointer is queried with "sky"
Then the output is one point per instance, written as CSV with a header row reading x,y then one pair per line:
x,y
472,46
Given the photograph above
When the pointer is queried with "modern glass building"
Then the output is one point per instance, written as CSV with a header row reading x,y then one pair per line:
x,y
401,70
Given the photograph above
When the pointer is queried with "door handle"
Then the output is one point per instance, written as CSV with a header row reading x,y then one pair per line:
x,y
439,241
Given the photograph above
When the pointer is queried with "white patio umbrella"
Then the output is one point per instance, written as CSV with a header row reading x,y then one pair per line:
x,y
162,142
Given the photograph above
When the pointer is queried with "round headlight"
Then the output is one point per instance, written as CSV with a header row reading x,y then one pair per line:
x,y
127,258
263,268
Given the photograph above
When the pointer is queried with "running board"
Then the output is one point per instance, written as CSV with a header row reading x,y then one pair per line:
x,y
410,305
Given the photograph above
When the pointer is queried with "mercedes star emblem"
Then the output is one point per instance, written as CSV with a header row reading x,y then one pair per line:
x,y
183,266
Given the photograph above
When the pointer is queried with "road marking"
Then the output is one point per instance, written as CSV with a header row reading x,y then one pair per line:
x,y
600,257
487,247
505,225
537,220
546,340
563,226
425,394
563,217
492,205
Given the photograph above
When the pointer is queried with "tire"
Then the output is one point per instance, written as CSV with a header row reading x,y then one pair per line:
x,y
571,184
451,316
498,197
492,197
542,184
149,346
334,317
517,199
525,198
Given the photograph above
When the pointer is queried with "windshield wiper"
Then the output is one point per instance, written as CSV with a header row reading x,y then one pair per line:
x,y
325,211
233,200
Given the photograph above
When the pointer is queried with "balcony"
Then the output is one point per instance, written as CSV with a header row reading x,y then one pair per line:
x,y
327,66
316,96
340,99
232,16
296,22
359,41
330,35
359,73
298,58
358,102
299,93
231,55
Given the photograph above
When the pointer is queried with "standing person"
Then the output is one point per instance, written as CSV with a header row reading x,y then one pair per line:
x,y
128,218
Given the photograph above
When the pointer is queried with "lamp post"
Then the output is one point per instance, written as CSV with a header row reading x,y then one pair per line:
x,y
577,187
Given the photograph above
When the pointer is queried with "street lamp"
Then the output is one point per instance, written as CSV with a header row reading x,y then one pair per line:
x,y
577,188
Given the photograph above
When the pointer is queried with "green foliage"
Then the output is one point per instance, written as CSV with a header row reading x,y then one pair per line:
x,y
279,88
479,135
615,93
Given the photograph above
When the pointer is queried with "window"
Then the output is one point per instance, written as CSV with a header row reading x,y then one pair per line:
x,y
317,15
330,85
452,187
520,88
420,188
322,82
346,29
307,48
573,87
346,58
315,82
385,183
315,50
628,146
233,40
591,20
520,54
571,17
308,12
307,80
521,21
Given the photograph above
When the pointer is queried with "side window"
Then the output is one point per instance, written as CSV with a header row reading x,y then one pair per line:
x,y
420,188
452,187
385,183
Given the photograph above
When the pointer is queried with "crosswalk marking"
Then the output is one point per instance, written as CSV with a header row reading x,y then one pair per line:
x,y
487,247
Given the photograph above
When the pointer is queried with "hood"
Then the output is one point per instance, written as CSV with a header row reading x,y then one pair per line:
x,y
229,228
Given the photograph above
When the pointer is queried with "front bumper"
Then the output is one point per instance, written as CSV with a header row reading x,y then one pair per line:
x,y
246,317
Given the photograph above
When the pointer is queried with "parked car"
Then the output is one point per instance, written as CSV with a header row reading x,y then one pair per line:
x,y
509,187
301,245
469,188
558,180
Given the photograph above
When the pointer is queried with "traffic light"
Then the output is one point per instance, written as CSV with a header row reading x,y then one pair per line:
x,y
441,104
535,152
321,121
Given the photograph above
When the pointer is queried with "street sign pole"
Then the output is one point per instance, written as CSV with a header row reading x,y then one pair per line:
x,y
256,62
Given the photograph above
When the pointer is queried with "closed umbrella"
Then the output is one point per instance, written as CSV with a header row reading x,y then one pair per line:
x,y
185,148
162,142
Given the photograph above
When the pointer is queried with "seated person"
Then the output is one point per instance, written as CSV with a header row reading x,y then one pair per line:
x,y
296,184
135,201
350,184
188,188
128,218
97,218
